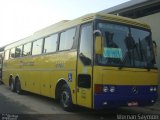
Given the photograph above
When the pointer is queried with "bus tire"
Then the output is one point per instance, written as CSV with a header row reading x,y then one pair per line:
x,y
18,87
12,85
65,98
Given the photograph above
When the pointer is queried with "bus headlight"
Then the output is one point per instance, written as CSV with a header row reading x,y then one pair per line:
x,y
99,88
151,89
105,89
155,89
112,89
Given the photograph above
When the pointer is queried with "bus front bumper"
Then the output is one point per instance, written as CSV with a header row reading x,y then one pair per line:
x,y
115,100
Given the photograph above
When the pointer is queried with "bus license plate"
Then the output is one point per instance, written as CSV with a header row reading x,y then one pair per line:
x,y
130,104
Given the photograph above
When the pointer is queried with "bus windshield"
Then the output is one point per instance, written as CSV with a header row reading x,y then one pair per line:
x,y
125,46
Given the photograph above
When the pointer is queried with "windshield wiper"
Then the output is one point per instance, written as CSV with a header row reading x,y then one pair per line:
x,y
140,49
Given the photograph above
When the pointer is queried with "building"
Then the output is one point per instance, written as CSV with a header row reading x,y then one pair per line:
x,y
144,10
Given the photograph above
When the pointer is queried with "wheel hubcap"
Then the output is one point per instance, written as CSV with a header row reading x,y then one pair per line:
x,y
12,86
65,98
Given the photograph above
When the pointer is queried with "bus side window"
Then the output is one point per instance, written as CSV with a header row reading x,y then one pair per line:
x,y
50,44
12,53
66,39
37,47
86,39
27,49
18,52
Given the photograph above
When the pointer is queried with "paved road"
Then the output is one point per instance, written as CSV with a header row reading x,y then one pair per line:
x,y
31,106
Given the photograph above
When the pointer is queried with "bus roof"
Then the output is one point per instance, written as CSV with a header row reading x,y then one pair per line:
x,y
71,23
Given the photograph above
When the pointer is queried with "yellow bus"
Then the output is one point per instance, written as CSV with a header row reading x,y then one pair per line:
x,y
96,61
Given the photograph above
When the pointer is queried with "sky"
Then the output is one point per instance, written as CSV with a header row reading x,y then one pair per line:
x,y
21,18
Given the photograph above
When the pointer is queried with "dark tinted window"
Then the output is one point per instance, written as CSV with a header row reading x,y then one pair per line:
x,y
84,81
37,47
86,39
66,39
27,49
50,44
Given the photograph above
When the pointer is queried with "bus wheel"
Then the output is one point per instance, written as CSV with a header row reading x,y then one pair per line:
x,y
18,87
12,86
65,98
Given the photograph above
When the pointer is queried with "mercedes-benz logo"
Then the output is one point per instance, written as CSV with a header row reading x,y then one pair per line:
x,y
135,90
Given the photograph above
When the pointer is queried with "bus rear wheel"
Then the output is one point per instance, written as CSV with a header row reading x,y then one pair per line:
x,y
12,85
65,98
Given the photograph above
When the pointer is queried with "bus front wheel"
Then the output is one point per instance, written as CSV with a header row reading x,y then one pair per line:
x,y
65,98
18,87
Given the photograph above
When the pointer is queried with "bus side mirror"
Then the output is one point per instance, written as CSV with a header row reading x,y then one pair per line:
x,y
98,45
155,48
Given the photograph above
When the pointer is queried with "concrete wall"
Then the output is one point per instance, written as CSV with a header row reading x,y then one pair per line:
x,y
154,21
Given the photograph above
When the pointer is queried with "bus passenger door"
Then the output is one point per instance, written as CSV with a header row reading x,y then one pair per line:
x,y
84,66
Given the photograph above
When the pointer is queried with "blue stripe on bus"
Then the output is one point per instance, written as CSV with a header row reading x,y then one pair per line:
x,y
124,95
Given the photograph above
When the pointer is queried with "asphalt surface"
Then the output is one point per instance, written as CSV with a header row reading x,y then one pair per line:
x,y
31,106
10,106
